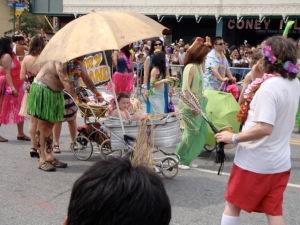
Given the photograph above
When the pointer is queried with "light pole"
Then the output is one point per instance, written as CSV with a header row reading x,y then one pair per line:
x,y
14,21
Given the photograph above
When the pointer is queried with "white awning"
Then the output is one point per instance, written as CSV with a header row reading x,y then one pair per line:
x,y
195,8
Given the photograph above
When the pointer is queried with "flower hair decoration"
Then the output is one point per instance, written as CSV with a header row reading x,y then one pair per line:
x,y
268,54
291,67
287,65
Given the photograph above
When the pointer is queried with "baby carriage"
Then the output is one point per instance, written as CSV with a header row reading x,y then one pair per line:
x,y
104,135
165,133
90,135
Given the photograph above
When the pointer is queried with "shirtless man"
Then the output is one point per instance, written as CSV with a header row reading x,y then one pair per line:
x,y
46,103
76,70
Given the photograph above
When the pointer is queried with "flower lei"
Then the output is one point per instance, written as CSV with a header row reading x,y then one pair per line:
x,y
248,96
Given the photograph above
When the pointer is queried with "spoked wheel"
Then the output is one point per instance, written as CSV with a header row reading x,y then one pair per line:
x,y
106,150
82,148
169,167
210,148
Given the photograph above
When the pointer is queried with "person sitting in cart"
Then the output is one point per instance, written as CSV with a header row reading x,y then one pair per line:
x,y
75,70
124,103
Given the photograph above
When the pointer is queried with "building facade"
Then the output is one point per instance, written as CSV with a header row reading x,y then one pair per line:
x,y
5,17
235,20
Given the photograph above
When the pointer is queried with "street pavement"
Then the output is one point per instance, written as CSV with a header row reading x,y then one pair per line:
x,y
29,196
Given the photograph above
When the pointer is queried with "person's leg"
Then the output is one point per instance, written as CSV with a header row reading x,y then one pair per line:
x,y
44,137
47,161
2,139
275,220
56,136
231,215
21,136
32,133
193,138
73,129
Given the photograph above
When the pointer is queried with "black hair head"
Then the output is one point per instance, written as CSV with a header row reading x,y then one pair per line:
x,y
113,192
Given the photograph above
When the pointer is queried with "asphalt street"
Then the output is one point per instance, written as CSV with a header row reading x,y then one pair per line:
x,y
29,196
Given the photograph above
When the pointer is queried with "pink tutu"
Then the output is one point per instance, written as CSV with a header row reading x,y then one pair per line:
x,y
123,82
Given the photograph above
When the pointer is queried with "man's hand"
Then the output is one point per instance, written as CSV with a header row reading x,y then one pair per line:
x,y
224,136
233,79
224,79
14,92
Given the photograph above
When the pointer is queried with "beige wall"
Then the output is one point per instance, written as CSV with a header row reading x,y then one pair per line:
x,y
5,16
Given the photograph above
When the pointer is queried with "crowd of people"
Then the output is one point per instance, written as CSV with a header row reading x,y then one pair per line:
x,y
269,95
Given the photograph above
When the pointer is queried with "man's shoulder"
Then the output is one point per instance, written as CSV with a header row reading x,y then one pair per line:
x,y
211,53
276,85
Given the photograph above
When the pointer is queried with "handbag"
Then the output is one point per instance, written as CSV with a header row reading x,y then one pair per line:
x,y
171,106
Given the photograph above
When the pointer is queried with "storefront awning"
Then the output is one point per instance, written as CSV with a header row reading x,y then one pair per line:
x,y
216,8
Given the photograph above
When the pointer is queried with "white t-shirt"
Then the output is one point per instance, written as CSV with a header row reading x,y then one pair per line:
x,y
275,103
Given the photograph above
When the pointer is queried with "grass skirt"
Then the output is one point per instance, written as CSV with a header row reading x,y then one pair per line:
x,y
45,104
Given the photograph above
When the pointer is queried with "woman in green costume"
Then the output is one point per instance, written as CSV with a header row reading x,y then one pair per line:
x,y
195,128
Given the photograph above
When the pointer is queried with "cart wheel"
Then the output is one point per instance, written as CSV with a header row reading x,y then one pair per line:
x,y
209,148
106,150
169,167
82,148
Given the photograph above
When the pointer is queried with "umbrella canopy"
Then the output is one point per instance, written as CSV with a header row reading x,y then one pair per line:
x,y
99,31
221,109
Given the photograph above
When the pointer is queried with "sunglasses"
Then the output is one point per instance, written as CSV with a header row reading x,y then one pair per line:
x,y
222,43
157,44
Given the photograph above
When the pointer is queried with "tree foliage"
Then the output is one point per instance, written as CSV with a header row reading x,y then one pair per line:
x,y
30,23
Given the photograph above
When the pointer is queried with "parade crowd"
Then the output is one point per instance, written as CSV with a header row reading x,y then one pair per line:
x,y
268,96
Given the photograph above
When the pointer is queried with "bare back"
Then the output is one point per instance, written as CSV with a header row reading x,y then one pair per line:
x,y
48,75
29,68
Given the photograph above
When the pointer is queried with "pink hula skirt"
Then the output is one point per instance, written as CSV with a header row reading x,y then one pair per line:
x,y
11,107
2,88
124,82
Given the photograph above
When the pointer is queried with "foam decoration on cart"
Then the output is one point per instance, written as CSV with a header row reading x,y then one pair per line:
x,y
136,106
98,73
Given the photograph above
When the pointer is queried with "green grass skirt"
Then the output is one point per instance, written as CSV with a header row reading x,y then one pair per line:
x,y
45,104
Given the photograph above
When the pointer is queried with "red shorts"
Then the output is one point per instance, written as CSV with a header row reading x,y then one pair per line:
x,y
254,192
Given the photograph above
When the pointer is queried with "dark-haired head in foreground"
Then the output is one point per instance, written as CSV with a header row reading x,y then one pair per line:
x,y
113,192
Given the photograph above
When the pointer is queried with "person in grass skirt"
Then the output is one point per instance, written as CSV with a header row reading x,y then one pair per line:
x,y
46,103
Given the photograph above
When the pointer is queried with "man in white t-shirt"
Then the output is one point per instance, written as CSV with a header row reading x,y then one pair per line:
x,y
262,162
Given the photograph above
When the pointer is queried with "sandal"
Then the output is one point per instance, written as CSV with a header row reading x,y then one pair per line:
x,y
58,164
23,138
56,149
34,153
2,139
47,167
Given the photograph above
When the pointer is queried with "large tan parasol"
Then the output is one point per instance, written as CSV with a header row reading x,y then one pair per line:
x,y
99,31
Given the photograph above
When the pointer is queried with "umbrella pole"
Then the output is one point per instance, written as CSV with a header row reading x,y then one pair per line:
x,y
115,96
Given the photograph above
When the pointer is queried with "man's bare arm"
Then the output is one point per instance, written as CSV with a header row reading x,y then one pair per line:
x,y
63,77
